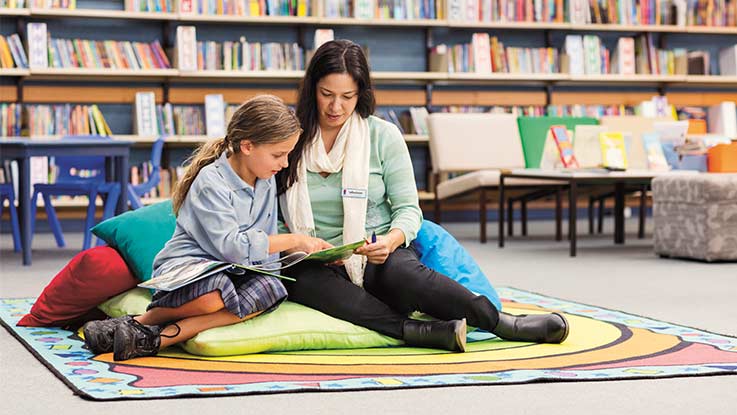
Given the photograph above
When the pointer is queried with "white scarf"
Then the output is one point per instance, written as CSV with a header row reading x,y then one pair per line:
x,y
349,153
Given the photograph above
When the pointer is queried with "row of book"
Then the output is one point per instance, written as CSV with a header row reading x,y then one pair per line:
x,y
11,117
66,119
658,12
638,12
12,52
581,55
249,56
488,55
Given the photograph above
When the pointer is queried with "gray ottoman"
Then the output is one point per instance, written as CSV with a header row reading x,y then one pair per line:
x,y
695,216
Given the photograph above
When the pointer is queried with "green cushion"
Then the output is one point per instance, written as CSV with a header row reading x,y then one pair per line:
x,y
533,130
288,328
139,235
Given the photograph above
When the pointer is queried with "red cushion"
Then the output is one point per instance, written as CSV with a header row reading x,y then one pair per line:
x,y
90,278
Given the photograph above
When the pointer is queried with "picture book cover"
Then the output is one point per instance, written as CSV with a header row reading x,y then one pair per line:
x,y
613,150
564,145
654,151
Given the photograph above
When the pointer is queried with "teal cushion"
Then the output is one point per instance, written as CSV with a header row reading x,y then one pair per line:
x,y
139,235
534,130
290,327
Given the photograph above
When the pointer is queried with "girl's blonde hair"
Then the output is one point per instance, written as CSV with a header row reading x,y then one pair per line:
x,y
263,119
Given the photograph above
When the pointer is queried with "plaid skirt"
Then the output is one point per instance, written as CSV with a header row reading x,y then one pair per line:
x,y
242,295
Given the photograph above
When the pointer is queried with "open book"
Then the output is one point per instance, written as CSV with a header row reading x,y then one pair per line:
x,y
195,271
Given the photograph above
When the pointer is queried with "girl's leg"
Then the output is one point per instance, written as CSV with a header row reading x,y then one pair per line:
x,y
204,304
187,328
134,339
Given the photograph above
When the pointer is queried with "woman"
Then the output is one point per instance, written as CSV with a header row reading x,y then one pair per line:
x,y
350,175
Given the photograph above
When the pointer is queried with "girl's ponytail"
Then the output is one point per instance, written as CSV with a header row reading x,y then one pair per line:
x,y
202,156
263,119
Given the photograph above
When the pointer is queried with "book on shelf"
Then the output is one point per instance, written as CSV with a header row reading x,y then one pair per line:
x,y
145,121
613,150
723,119
623,59
12,52
322,36
481,52
564,145
728,61
575,50
592,49
191,272
654,151
214,116
186,48
419,119
150,6
364,9
38,57
586,145
698,62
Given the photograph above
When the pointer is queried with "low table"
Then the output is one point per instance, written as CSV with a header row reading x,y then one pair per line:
x,y
576,178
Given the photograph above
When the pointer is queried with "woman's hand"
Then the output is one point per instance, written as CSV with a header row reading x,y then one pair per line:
x,y
379,251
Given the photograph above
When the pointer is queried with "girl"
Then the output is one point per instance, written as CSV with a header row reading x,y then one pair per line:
x,y
351,173
226,211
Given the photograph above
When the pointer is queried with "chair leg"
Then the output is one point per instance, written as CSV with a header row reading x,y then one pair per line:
x,y
591,215
559,214
600,225
89,221
14,225
54,223
523,212
643,205
510,217
482,215
111,202
133,199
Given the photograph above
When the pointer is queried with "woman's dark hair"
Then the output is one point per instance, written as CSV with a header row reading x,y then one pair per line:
x,y
336,56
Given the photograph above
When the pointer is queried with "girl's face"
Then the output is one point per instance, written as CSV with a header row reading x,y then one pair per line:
x,y
337,96
265,160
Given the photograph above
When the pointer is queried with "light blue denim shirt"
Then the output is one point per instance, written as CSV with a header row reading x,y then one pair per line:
x,y
222,218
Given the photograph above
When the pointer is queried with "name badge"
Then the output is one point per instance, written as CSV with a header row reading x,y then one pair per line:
x,y
355,193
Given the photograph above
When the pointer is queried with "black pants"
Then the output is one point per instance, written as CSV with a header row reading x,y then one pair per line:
x,y
390,292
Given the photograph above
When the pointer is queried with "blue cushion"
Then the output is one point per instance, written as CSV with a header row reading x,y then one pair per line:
x,y
440,251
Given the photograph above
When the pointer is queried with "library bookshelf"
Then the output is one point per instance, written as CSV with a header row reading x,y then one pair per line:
x,y
394,88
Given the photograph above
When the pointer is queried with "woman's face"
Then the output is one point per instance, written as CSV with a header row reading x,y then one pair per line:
x,y
337,96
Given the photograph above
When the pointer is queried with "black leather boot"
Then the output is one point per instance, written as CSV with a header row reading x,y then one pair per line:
x,y
538,328
447,335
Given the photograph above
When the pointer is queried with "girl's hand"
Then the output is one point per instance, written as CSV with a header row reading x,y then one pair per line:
x,y
379,251
309,244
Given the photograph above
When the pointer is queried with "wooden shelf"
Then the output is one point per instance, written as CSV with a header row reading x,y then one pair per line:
x,y
416,138
7,11
408,76
472,76
352,21
712,79
236,75
618,79
102,14
509,25
14,72
74,73
210,18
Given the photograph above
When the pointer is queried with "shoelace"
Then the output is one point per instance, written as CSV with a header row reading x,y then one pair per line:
x,y
171,336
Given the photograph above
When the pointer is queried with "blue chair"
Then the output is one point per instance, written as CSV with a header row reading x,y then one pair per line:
x,y
135,192
7,192
77,176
